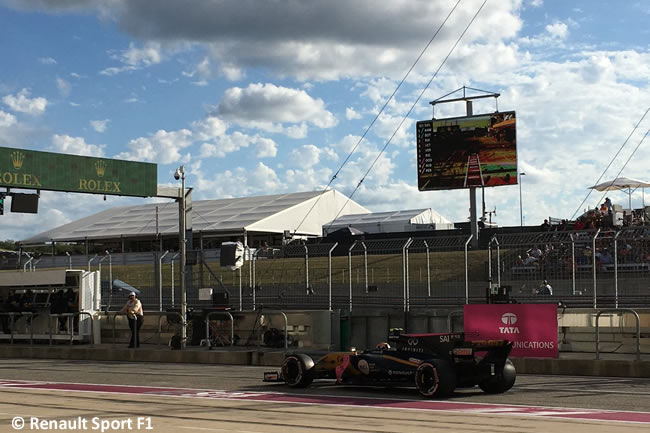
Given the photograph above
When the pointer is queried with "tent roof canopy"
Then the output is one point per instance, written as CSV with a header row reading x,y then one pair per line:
x,y
620,183
270,213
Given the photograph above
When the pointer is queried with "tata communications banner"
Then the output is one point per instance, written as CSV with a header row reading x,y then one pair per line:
x,y
531,327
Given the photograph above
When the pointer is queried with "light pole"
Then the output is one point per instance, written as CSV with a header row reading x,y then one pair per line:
x,y
180,173
521,206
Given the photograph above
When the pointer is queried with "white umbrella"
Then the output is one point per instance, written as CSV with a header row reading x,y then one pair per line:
x,y
621,184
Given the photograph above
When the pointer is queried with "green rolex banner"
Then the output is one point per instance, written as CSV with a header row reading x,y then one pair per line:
x,y
31,169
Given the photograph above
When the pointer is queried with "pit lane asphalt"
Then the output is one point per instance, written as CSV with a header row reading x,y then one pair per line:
x,y
629,394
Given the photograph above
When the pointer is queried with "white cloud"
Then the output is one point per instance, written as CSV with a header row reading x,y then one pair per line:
x,y
162,147
47,60
21,102
351,114
7,119
265,106
308,179
209,128
225,144
241,182
297,131
265,148
307,155
536,3
63,86
558,29
113,70
76,146
99,125
232,72
135,58
149,54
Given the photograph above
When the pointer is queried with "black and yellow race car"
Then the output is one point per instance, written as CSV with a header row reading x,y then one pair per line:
x,y
436,364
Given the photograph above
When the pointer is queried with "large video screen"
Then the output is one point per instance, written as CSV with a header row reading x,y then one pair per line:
x,y
467,152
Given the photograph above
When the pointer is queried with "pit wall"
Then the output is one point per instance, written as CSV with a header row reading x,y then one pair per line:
x,y
336,330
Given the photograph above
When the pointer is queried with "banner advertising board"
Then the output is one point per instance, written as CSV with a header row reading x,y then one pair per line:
x,y
466,152
31,169
531,327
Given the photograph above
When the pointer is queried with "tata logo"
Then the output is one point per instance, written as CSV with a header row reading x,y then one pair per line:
x,y
509,319
412,341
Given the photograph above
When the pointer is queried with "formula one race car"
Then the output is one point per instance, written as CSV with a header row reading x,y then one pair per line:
x,y
436,364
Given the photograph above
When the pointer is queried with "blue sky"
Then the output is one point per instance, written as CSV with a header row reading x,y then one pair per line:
x,y
259,97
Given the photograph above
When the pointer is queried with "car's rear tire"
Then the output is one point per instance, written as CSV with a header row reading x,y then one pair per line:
x,y
435,378
502,381
295,374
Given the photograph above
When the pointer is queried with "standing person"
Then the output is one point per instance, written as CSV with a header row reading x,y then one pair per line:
x,y
545,288
133,310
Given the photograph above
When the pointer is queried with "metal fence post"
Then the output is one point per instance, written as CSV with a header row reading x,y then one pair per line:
x,y
329,273
98,286
593,264
467,269
426,245
160,290
405,271
306,269
365,263
350,270
89,261
408,282
616,270
173,258
573,264
490,261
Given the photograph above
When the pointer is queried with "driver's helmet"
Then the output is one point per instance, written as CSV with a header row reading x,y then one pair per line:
x,y
383,345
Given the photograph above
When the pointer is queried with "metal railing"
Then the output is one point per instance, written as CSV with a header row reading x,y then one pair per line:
x,y
620,312
70,319
28,314
207,327
12,323
450,318
286,326
159,314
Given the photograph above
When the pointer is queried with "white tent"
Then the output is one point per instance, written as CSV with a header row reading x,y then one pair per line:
x,y
391,222
303,213
624,184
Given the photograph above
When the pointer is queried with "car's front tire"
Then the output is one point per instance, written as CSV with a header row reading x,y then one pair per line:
x,y
295,373
435,378
501,381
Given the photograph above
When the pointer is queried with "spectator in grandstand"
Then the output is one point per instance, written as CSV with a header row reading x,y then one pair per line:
x,y
608,204
545,226
579,224
544,289
603,210
133,310
536,252
606,258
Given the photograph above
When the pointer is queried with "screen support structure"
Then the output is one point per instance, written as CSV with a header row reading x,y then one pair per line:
x,y
473,221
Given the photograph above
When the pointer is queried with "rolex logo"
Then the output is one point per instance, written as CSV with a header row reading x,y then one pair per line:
x,y
17,159
100,167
